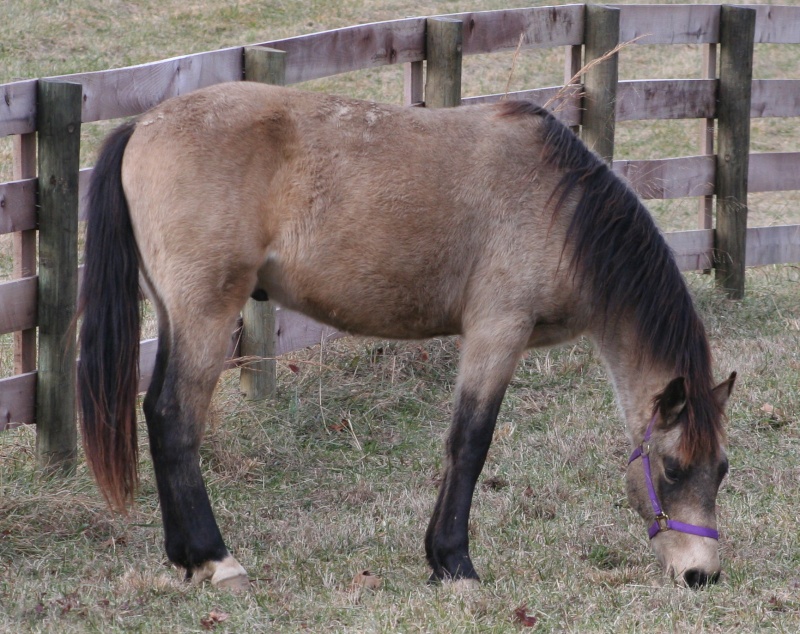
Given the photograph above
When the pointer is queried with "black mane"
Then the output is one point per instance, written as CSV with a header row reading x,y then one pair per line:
x,y
620,253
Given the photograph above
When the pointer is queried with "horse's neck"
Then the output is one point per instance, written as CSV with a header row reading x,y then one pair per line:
x,y
635,379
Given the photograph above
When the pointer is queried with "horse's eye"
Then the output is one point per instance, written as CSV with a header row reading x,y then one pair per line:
x,y
672,470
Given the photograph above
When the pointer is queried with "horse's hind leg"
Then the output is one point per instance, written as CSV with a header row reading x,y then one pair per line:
x,y
189,360
488,360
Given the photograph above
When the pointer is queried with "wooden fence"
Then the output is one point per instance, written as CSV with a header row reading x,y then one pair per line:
x,y
41,299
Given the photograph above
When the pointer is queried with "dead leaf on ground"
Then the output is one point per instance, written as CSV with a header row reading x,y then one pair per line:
x,y
365,580
773,417
522,617
495,483
215,616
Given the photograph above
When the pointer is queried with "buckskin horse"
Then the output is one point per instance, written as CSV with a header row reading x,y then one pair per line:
x,y
491,222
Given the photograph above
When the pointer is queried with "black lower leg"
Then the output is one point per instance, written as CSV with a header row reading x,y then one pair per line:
x,y
191,535
447,539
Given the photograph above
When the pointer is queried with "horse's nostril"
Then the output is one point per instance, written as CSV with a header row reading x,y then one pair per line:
x,y
695,578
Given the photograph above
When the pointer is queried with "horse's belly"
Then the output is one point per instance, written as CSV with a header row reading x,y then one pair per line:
x,y
360,302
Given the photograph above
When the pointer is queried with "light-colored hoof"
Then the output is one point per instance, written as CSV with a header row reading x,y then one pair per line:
x,y
227,574
463,586
239,583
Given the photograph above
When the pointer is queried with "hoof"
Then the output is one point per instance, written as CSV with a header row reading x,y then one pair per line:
x,y
463,586
454,582
227,574
239,583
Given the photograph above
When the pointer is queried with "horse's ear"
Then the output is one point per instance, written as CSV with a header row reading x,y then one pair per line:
x,y
672,401
724,389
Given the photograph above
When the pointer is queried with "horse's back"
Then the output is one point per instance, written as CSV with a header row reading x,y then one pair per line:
x,y
375,218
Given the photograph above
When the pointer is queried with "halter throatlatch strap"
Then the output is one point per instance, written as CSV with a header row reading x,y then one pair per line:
x,y
663,522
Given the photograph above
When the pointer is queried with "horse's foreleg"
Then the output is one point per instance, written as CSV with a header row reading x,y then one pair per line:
x,y
175,409
487,364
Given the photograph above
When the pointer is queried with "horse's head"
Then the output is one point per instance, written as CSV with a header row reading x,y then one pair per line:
x,y
673,486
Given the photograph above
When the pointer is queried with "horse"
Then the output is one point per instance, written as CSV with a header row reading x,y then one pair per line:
x,y
492,222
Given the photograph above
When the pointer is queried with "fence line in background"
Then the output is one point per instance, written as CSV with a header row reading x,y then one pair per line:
x,y
46,301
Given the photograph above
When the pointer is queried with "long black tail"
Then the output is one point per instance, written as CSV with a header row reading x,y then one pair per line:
x,y
108,374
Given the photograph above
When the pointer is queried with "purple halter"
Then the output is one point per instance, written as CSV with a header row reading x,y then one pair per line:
x,y
663,522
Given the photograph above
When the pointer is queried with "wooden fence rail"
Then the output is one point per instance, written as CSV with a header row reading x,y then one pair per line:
x,y
596,104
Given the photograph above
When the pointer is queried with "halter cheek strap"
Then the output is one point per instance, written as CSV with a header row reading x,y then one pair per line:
x,y
663,522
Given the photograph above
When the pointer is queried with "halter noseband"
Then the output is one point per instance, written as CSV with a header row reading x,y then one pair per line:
x,y
663,522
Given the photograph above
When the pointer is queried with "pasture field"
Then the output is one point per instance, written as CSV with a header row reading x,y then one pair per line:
x,y
338,474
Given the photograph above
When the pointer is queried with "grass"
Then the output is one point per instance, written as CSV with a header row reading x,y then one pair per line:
x,y
338,474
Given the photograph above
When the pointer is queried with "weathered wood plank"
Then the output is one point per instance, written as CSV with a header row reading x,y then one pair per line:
x,y
84,177
669,24
573,62
773,245
775,98
699,24
693,250
111,94
776,24
295,331
600,82
18,205
413,83
540,27
123,92
59,129
147,361
17,400
401,41
352,48
18,107
660,179
24,250
666,99
737,27
774,172
705,210
567,107
18,304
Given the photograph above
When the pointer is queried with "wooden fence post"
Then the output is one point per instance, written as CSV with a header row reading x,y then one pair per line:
x,y
600,82
413,83
443,55
736,35
24,157
258,375
573,62
705,218
59,126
